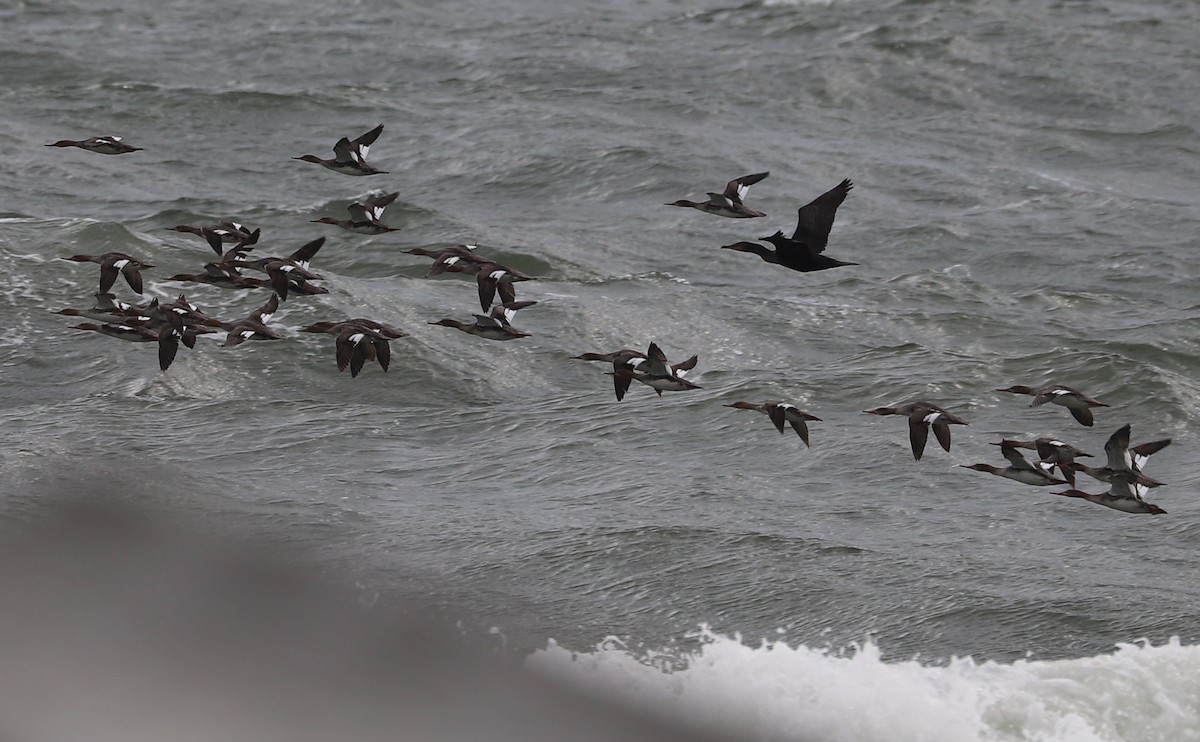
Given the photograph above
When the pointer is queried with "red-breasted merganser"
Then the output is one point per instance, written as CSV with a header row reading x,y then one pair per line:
x,y
282,271
1121,496
657,373
219,234
350,156
494,326
921,417
1074,400
1125,462
112,263
109,309
804,250
1054,452
624,358
253,325
1019,469
364,217
494,278
109,145
163,334
179,314
333,328
357,341
453,259
729,203
781,412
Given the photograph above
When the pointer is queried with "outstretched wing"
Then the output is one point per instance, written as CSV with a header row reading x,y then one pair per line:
x,y
735,190
816,217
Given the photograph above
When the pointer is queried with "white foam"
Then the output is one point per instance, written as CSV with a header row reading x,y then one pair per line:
x,y
773,691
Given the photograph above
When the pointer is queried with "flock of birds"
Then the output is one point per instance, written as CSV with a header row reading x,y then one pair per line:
x,y
360,340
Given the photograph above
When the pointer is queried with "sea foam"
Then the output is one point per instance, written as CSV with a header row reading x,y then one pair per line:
x,y
773,691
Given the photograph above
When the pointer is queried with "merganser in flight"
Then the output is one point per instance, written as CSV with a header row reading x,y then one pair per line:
x,y
1052,451
364,217
781,412
1074,400
1019,469
657,373
728,203
494,326
921,417
112,263
350,156
108,145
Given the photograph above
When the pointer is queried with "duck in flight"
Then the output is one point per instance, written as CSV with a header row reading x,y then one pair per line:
x,y
1125,461
921,417
1127,485
624,358
1053,452
657,372
219,234
780,413
1020,469
494,326
113,264
357,341
107,145
365,216
804,251
350,156
1074,400
729,202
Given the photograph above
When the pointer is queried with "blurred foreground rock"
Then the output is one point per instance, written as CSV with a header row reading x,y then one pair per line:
x,y
119,628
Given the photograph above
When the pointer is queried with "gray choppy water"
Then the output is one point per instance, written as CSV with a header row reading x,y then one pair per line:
x,y
1025,211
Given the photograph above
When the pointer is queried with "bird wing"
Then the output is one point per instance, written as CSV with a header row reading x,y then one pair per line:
x,y
376,205
1015,457
364,142
918,433
306,252
343,151
816,217
941,430
778,415
680,369
735,190
656,361
1142,451
1117,450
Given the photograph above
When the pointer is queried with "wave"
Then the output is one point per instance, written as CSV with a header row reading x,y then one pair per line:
x,y
773,691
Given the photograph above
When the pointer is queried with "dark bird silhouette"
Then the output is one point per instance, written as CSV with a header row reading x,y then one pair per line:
x,y
805,250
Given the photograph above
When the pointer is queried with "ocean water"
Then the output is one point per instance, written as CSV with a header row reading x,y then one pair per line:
x,y
1025,211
